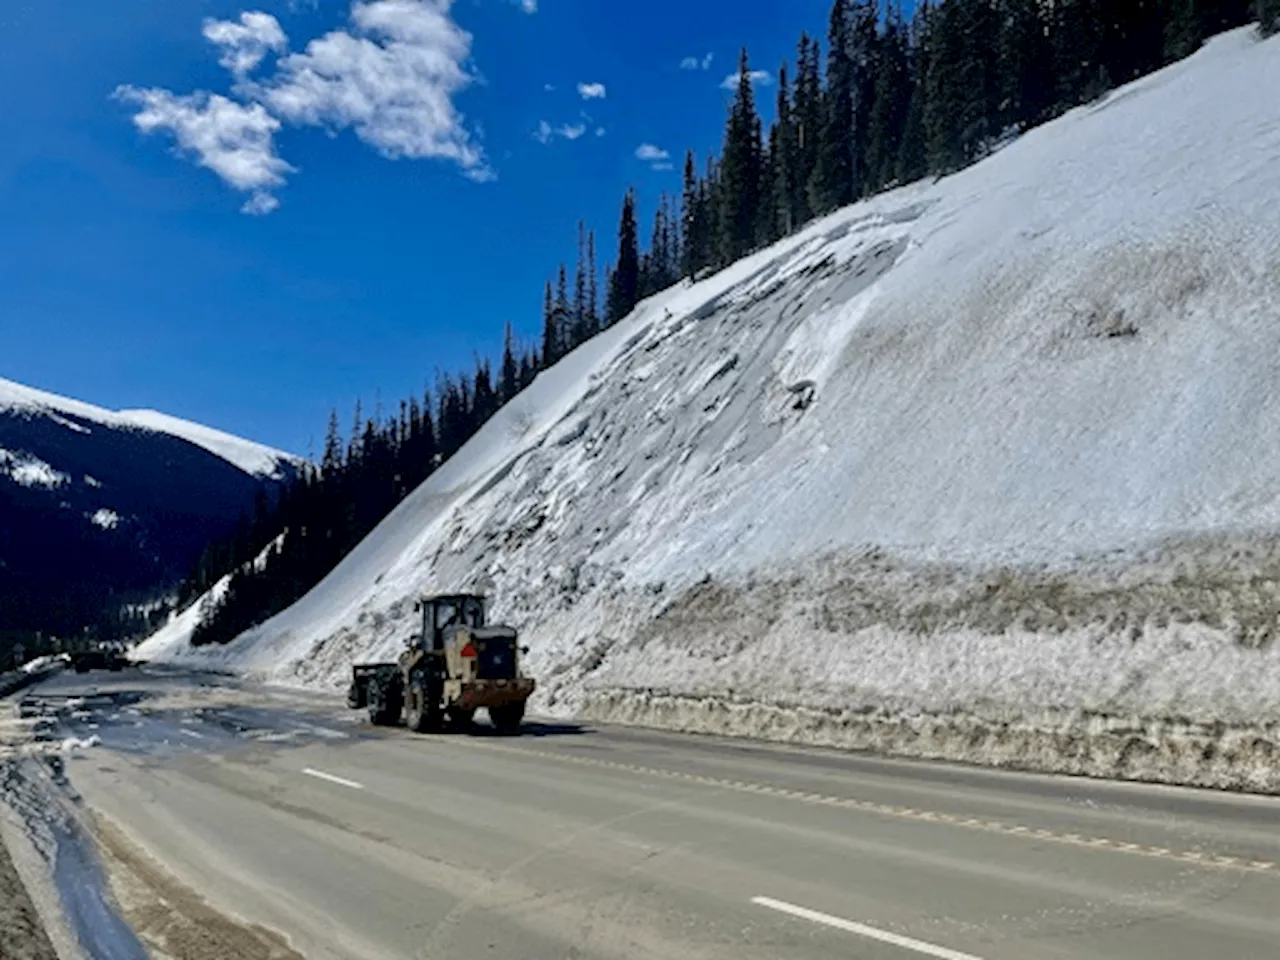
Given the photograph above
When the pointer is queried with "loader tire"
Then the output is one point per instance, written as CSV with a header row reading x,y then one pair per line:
x,y
422,706
507,718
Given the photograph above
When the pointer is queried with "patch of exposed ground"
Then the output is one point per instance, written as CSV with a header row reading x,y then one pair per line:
x,y
24,936
174,921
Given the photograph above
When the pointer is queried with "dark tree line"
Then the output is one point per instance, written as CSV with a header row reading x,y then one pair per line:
x,y
895,100
321,517
892,101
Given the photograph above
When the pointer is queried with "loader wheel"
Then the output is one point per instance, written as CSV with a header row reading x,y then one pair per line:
x,y
422,708
462,720
507,718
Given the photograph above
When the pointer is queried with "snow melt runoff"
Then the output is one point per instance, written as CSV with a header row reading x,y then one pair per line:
x,y
985,469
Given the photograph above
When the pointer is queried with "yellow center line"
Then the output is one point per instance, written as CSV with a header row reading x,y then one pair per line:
x,y
1200,858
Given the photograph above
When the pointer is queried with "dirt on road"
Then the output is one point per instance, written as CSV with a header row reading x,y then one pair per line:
x,y
24,936
172,919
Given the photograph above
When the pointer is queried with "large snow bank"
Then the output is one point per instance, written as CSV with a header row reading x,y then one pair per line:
x,y
253,458
985,469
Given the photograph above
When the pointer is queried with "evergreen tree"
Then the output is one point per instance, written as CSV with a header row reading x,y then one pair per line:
x,y
551,347
913,161
624,286
962,96
740,171
354,446
510,383
654,266
864,44
892,101
671,241
484,400
783,147
580,333
832,182
1076,35
332,461
1026,83
1132,38
1183,30
528,369
593,293
809,111
690,215
768,228
1268,13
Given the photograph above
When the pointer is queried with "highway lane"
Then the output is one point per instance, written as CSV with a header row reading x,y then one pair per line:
x,y
258,811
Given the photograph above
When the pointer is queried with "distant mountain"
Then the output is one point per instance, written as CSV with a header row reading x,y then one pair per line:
x,y
99,507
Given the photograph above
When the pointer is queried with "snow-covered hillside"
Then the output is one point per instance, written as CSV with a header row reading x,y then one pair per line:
x,y
253,458
985,469
97,506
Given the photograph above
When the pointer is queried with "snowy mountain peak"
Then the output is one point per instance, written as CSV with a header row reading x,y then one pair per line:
x,y
253,458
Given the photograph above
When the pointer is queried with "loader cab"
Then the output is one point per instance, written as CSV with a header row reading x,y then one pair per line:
x,y
440,613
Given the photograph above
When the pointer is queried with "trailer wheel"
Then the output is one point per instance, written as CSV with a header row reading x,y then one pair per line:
x,y
384,708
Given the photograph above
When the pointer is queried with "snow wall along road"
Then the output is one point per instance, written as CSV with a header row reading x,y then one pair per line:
x,y
986,469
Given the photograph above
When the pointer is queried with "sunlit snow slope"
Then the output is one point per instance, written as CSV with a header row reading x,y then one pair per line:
x,y
985,469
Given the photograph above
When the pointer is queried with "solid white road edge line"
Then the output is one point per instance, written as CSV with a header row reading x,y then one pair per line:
x,y
862,930
321,775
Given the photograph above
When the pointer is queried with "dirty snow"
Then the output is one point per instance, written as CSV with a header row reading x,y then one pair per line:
x,y
986,469
253,458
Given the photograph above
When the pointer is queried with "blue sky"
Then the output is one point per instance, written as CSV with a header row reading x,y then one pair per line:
x,y
412,216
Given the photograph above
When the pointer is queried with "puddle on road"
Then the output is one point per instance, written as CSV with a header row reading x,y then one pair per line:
x,y
115,898
37,790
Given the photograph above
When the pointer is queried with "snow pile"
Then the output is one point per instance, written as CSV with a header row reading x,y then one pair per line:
x,y
105,519
986,469
72,744
253,458
27,470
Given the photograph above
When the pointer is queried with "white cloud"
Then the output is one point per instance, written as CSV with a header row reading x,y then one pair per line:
x,y
599,131
758,78
260,204
548,87
664,166
647,151
390,77
245,44
235,141
592,91
528,6
545,132
694,63
393,83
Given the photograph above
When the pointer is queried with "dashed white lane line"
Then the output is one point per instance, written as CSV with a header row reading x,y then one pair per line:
x,y
862,930
341,781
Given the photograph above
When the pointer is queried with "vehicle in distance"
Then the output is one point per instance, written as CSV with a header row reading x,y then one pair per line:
x,y
456,664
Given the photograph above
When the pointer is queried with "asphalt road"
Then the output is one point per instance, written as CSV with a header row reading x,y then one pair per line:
x,y
268,811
